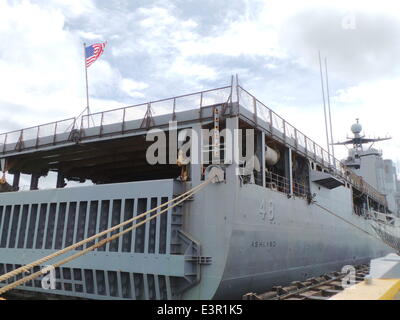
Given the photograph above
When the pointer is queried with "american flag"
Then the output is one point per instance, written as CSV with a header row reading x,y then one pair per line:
x,y
93,52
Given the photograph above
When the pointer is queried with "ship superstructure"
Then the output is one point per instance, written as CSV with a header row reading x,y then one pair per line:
x,y
368,163
292,212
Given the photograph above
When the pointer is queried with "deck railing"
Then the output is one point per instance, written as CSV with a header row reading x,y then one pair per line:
x,y
282,184
171,106
51,129
122,115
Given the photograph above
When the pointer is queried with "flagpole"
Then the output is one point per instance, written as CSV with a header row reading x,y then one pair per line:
x,y
87,86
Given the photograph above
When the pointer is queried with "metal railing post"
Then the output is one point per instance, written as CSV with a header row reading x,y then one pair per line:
x,y
255,110
231,94
290,172
305,145
123,120
284,130
270,121
173,110
37,136
315,151
5,142
55,133
101,124
201,106
237,92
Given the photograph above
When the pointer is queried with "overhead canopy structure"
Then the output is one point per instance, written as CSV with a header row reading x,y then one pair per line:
x,y
119,160
325,179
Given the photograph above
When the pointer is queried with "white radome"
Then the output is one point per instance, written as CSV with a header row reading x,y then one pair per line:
x,y
356,128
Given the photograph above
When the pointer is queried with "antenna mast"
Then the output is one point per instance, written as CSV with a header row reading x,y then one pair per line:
x,y
323,99
329,108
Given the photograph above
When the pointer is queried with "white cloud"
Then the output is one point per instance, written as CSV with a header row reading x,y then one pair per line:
x,y
183,68
366,50
374,103
40,63
158,32
241,37
132,88
156,17
68,7
377,105
89,35
271,66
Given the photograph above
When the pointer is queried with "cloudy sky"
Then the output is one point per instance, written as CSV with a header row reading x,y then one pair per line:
x,y
158,49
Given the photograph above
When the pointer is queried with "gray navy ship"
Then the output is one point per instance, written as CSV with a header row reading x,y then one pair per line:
x,y
295,213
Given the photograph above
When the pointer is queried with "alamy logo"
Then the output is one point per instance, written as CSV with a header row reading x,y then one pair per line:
x,y
49,280
350,278
349,21
203,147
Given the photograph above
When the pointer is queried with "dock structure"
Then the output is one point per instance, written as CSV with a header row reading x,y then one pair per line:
x,y
382,283
378,280
378,289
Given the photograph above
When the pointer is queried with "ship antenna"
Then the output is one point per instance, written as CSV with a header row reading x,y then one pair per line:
x,y
329,107
323,99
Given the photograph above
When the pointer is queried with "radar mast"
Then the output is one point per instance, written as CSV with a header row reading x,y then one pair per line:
x,y
358,140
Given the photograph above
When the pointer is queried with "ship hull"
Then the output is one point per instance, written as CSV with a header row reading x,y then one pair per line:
x,y
254,238
275,239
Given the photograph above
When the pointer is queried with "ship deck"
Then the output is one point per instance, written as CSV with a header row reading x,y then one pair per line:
x,y
82,148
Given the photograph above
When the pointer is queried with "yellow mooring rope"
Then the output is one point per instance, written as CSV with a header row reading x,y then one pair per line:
x,y
27,267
